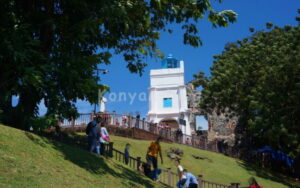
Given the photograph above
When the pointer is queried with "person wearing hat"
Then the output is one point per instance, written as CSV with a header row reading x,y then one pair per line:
x,y
181,175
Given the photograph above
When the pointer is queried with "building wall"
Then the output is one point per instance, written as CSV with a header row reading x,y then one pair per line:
x,y
168,83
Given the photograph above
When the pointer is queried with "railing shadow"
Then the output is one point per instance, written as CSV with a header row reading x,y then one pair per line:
x,y
90,162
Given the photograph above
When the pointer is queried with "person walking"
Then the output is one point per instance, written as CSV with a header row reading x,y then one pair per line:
x,y
104,139
191,180
153,150
93,133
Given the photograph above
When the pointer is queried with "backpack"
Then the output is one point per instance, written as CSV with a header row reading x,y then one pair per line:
x,y
89,128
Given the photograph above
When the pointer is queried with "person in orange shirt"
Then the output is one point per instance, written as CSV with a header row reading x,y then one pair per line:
x,y
153,150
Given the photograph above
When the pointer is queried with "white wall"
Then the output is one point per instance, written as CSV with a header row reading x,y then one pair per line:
x,y
168,83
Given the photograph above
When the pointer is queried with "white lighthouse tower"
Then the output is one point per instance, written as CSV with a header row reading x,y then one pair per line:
x,y
167,96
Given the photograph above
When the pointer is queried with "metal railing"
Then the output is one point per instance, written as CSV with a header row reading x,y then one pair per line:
x,y
125,121
167,176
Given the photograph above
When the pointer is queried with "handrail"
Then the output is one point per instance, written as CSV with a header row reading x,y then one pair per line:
x,y
167,176
124,121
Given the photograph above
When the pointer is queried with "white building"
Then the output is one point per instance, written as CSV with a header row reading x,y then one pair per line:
x,y
167,96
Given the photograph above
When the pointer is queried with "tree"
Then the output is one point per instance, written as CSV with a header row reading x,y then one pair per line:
x,y
50,49
258,79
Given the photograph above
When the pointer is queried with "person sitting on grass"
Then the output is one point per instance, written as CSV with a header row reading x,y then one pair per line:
x,y
181,175
126,153
191,180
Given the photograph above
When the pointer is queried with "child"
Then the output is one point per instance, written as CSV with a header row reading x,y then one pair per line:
x,y
127,153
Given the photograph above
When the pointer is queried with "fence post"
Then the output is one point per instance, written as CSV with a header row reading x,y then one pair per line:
x,y
169,176
143,123
235,185
200,182
110,149
130,121
193,140
132,132
138,163
216,146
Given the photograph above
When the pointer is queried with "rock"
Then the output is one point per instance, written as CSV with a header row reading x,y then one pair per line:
x,y
171,155
177,151
202,158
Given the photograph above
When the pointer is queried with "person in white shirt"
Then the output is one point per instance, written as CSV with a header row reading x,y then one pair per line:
x,y
182,177
104,139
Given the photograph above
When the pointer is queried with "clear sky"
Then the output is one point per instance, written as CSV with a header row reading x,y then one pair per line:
x,y
251,13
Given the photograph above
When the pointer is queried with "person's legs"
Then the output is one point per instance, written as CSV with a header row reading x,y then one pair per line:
x,y
90,149
92,144
158,172
154,162
193,185
126,160
97,150
180,183
102,148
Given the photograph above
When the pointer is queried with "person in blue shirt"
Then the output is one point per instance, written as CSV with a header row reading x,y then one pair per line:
x,y
93,135
127,153
191,180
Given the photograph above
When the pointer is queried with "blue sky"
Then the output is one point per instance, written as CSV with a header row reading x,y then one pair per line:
x,y
251,13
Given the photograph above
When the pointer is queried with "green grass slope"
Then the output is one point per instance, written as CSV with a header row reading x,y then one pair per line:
x,y
28,160
220,169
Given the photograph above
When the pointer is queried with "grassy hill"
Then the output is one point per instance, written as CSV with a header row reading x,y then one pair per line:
x,y
220,169
28,160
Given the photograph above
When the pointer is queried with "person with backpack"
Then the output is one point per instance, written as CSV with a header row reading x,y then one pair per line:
x,y
93,133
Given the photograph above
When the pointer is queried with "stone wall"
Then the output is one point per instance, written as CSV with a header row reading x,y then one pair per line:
x,y
220,128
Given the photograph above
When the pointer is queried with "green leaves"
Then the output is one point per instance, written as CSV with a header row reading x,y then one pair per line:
x,y
50,49
223,18
258,78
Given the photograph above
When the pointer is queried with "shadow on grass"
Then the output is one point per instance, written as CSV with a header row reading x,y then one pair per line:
x,y
91,162
262,173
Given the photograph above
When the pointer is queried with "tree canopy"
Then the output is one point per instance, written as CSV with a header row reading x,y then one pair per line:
x,y
49,49
258,79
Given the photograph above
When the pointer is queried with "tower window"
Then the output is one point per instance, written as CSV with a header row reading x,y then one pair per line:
x,y
167,102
